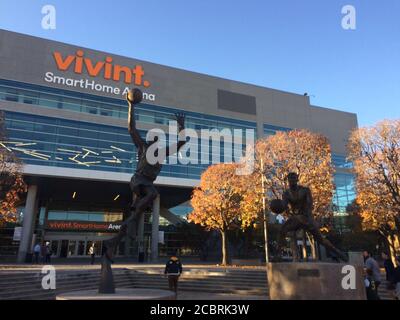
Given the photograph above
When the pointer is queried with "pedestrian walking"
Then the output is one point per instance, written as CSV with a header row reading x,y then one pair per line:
x,y
372,267
389,268
43,251
396,280
92,253
36,251
48,253
173,270
370,286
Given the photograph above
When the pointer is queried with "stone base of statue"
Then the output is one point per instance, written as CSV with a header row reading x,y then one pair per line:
x,y
315,281
120,294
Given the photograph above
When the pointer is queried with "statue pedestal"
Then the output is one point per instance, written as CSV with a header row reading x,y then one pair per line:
x,y
315,281
120,294
356,258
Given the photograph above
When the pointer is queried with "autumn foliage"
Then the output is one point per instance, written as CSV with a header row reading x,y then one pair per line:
x,y
375,153
306,153
12,185
224,201
309,155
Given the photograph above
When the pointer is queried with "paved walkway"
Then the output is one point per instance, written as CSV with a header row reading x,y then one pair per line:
x,y
187,295
159,268
120,265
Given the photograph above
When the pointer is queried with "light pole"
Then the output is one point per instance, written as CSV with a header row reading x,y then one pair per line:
x,y
264,213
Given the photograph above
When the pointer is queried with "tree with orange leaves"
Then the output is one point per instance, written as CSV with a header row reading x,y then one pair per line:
x,y
12,184
375,153
225,200
306,153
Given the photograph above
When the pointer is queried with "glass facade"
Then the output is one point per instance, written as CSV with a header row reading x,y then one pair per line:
x,y
109,107
340,161
75,248
344,192
76,144
77,215
57,142
182,210
270,130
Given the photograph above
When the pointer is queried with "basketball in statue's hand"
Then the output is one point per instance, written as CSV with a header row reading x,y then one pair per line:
x,y
134,96
277,206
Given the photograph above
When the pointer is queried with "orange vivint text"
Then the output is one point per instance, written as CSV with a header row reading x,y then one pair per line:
x,y
110,71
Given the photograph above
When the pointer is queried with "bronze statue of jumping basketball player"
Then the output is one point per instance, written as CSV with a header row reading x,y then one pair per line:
x,y
141,185
297,200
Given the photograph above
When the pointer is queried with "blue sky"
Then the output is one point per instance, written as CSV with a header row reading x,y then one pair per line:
x,y
292,45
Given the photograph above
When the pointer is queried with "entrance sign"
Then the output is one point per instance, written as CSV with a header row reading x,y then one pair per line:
x,y
83,226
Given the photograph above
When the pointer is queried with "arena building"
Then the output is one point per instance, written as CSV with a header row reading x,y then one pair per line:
x,y
66,118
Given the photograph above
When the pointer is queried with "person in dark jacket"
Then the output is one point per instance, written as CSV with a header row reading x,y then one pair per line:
x,y
389,268
396,279
48,253
43,252
372,264
370,286
173,269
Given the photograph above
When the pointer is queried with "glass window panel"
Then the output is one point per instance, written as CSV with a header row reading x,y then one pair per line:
x,y
3,92
45,128
160,120
22,125
54,247
67,131
90,107
108,111
81,248
88,126
108,136
88,133
51,101
43,137
11,95
49,147
71,247
18,135
98,248
29,97
70,104
67,141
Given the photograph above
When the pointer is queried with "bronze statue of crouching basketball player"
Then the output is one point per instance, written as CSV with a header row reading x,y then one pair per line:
x,y
297,201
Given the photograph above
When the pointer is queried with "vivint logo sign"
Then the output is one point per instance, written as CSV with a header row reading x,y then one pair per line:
x,y
81,64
